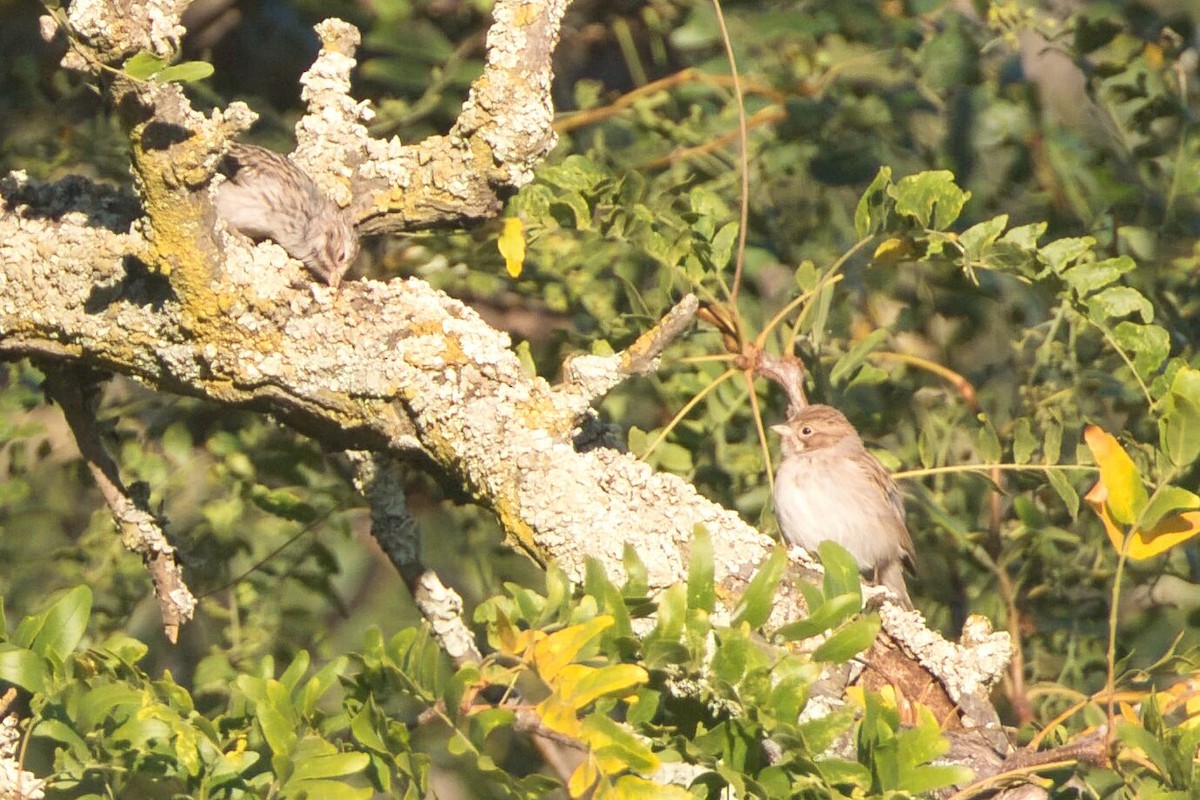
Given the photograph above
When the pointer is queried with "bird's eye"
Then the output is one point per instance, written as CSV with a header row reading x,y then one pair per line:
x,y
806,430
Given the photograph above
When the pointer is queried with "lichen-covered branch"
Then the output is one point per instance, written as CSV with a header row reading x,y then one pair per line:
x,y
503,132
141,530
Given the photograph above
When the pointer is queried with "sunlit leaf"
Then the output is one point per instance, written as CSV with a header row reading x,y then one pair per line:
x,y
579,685
562,647
1168,532
143,65
22,667
933,198
756,602
825,616
1179,427
185,72
700,582
1126,496
512,246
841,570
871,213
849,641
57,630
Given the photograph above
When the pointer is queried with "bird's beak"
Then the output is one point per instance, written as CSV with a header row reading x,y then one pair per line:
x,y
782,430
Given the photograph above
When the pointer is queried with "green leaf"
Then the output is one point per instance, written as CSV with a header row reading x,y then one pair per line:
x,y
932,198
722,245
185,72
672,612
576,172
637,577
643,707
1025,237
870,215
701,585
930,777
331,765
326,790
849,641
283,503
100,703
1119,301
488,720
756,602
827,615
1024,444
1149,345
1058,480
1052,444
1179,428
976,239
143,65
1059,254
58,629
841,570
61,732
1166,500
857,355
320,683
22,667
1089,277
295,671
988,442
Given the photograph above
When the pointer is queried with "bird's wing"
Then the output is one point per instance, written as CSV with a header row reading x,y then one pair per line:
x,y
884,482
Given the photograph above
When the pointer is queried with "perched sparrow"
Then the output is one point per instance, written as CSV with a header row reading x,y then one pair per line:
x,y
830,487
266,196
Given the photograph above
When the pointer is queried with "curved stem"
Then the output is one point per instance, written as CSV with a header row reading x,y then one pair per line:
x,y
744,158
683,412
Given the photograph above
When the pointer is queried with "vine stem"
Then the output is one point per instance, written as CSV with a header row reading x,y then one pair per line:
x,y
743,158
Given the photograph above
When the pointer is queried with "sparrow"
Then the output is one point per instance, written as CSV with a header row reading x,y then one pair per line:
x,y
266,196
829,486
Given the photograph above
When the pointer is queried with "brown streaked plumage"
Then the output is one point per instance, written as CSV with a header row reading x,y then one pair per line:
x,y
266,196
829,486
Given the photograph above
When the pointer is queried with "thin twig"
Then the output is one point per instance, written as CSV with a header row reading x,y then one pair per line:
x,y
142,531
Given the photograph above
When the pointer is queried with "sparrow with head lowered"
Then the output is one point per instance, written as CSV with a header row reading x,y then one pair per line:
x,y
829,486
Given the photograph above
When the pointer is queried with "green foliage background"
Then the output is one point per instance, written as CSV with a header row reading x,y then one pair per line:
x,y
1077,307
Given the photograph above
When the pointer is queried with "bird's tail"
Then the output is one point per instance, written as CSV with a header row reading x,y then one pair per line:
x,y
891,575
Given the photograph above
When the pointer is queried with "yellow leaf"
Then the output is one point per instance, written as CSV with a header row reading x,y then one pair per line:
x,y
1126,494
1154,55
512,246
512,641
631,787
559,717
1166,533
892,250
1096,498
561,648
579,685
1193,712
584,777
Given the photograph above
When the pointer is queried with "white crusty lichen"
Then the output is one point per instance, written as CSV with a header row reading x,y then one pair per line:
x,y
966,669
15,782
114,29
